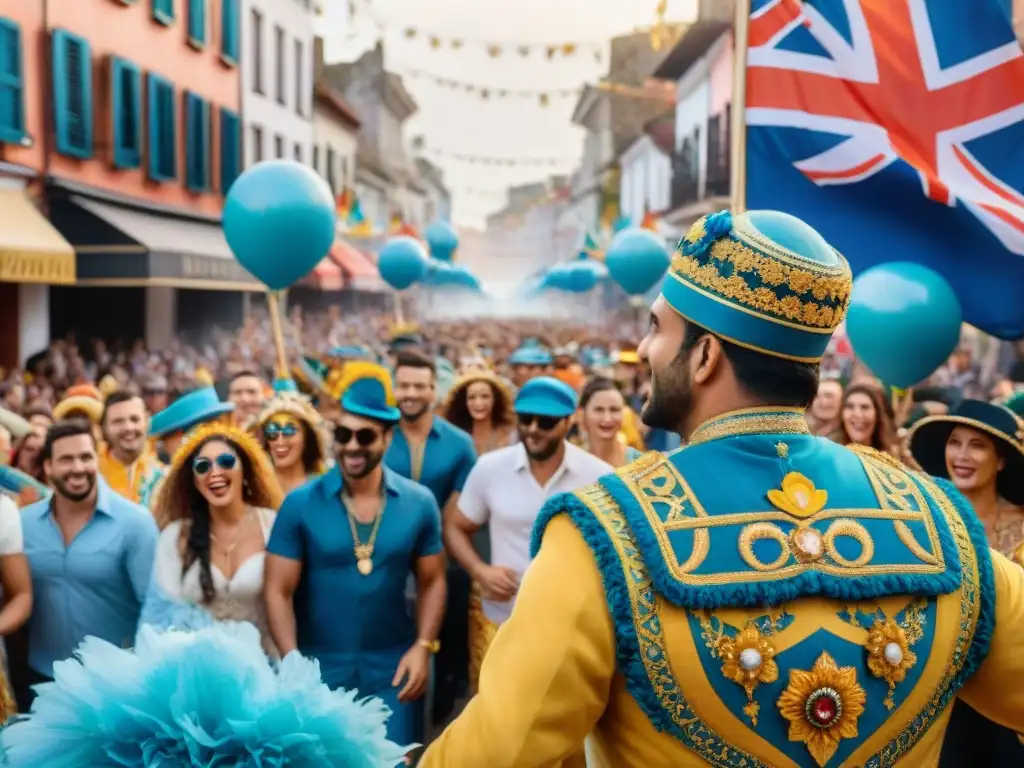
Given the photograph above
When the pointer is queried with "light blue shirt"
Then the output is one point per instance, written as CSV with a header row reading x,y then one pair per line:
x,y
448,455
93,586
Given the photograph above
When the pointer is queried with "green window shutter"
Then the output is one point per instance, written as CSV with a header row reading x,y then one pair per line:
x,y
163,11
12,93
230,149
230,41
162,119
126,117
72,95
197,23
198,143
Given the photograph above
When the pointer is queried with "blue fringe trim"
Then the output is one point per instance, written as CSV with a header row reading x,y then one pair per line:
x,y
627,645
774,592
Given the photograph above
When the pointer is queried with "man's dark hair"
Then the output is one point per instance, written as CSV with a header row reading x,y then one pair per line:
x,y
772,380
414,358
116,398
243,374
62,429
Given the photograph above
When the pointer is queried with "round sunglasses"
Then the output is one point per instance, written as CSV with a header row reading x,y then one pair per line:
x,y
226,461
274,431
364,437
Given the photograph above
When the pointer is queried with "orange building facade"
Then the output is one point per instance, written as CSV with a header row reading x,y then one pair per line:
x,y
131,109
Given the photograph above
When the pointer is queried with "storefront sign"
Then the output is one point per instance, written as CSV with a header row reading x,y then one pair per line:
x,y
208,268
27,267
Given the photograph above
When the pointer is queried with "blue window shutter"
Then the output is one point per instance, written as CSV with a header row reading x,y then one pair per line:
x,y
230,149
198,143
197,23
229,31
126,115
163,11
162,120
12,94
72,95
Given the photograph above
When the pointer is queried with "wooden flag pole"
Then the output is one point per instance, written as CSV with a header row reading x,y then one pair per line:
x,y
274,307
738,127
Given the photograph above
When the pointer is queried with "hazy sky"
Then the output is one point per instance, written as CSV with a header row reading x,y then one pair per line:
x,y
458,122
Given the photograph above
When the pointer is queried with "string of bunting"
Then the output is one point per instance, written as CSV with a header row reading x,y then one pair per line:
x,y
486,92
439,41
507,162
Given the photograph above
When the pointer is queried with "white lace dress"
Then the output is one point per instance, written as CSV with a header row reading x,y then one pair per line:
x,y
239,598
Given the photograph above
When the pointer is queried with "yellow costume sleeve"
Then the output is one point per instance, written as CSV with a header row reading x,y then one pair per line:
x,y
546,679
995,690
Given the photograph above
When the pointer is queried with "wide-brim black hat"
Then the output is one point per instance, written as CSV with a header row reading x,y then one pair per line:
x,y
928,442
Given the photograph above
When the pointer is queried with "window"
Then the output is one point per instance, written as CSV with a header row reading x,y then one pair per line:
x,y
279,61
229,42
72,94
316,158
300,68
332,180
257,144
163,11
197,143
12,97
163,121
126,113
230,149
279,146
256,20
344,171
197,23
298,153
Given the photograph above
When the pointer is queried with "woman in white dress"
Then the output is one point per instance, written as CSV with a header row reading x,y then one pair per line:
x,y
216,509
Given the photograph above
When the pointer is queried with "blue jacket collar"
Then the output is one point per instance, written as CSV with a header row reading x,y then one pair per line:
x,y
768,420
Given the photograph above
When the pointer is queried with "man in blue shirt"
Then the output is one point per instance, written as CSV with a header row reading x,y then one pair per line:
x,y
341,552
90,552
438,455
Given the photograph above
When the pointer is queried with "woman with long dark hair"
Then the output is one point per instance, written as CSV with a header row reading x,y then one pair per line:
x,y
602,410
293,435
865,420
215,508
480,404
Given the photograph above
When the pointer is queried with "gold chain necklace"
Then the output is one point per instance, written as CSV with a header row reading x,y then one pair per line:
x,y
363,552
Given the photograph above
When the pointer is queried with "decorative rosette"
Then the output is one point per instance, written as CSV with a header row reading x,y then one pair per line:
x,y
749,660
889,655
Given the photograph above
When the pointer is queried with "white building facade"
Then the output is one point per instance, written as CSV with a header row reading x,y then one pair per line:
x,y
335,140
277,80
646,179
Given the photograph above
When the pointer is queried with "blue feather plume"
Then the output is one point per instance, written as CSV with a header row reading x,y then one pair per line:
x,y
209,699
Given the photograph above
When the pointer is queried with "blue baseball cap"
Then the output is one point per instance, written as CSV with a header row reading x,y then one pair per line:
x,y
546,396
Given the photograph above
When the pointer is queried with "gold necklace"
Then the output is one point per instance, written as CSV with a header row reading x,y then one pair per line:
x,y
228,551
363,552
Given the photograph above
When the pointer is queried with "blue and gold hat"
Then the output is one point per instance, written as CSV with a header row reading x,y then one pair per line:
x,y
364,389
764,280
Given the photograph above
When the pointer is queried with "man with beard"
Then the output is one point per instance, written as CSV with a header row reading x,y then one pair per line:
x,y
432,452
90,551
762,597
506,490
125,460
341,552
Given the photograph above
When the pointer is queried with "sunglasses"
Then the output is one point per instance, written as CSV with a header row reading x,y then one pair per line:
x,y
274,431
544,423
203,465
364,437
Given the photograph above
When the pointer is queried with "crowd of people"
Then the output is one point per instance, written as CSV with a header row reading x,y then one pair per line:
x,y
373,508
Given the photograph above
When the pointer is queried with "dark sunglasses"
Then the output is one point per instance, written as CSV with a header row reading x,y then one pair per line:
x,y
544,423
364,437
274,431
225,461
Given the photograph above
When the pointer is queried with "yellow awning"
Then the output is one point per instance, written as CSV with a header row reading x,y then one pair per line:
x,y
31,250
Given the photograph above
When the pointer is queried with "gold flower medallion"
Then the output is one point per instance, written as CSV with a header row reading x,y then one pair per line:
x,y
889,655
798,496
748,660
822,706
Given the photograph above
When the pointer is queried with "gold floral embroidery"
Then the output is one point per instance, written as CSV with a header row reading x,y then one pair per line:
x,y
821,284
822,706
749,660
751,421
782,450
798,496
697,231
889,655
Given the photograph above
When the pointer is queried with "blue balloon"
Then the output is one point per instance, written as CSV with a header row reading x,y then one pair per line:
x,y
557,278
637,259
402,261
442,240
581,278
279,221
904,321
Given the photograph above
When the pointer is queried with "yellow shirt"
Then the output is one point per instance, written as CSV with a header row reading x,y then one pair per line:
x,y
134,482
550,679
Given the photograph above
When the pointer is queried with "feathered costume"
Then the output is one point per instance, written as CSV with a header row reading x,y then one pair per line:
x,y
209,699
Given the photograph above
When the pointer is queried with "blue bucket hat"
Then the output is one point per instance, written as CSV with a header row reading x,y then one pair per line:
x,y
530,356
364,389
928,439
197,407
546,396
764,280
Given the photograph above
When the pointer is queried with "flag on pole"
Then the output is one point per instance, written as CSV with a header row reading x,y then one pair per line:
x,y
897,130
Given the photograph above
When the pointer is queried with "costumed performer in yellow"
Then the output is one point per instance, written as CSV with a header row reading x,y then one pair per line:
x,y
762,597
294,436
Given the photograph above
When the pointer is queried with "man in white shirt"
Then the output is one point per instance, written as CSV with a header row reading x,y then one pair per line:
x,y
507,488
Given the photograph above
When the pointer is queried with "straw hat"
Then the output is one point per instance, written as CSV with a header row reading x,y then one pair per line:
x,y
81,398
